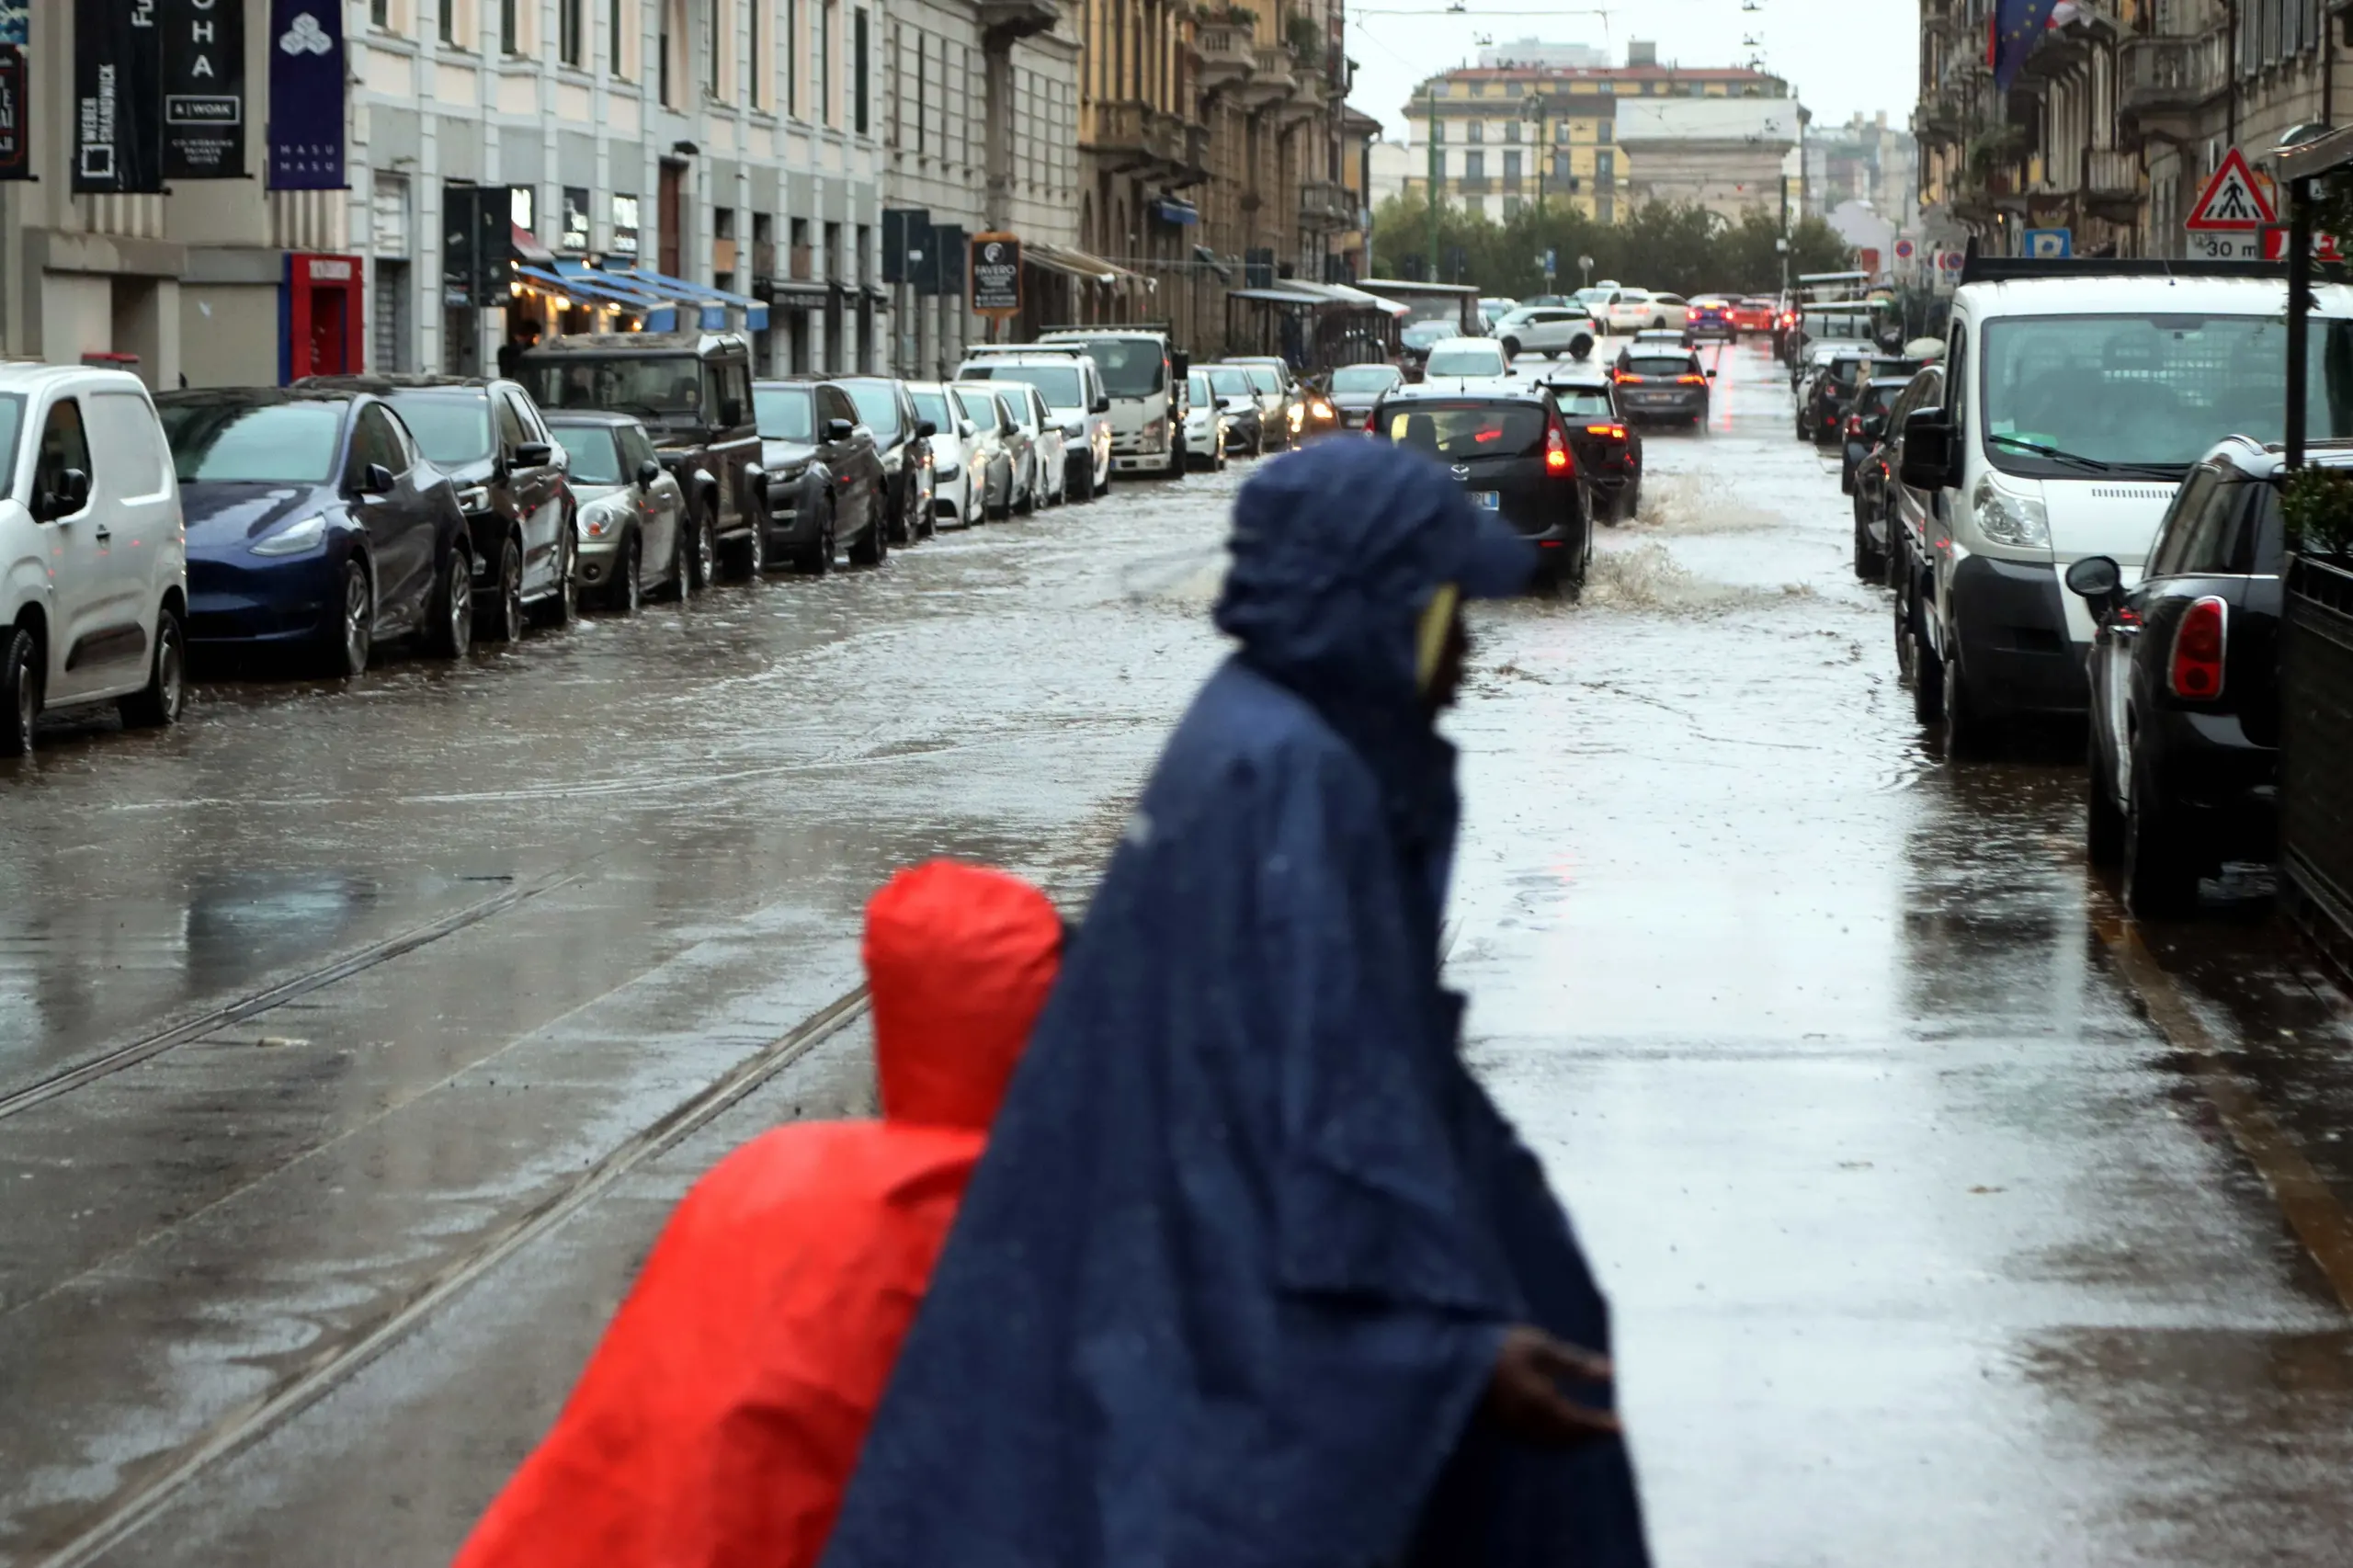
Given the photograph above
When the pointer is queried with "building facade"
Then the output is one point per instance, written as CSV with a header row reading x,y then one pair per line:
x,y
1502,137
1725,154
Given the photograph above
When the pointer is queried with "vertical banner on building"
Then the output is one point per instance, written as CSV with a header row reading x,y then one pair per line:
x,y
204,89
16,49
118,96
306,90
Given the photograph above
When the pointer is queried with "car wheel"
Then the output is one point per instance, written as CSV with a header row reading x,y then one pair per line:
x,y
2103,818
158,702
1927,672
505,594
628,589
873,546
2160,874
1870,561
453,609
1511,347
348,641
1968,734
747,558
702,552
559,607
19,691
1026,501
818,559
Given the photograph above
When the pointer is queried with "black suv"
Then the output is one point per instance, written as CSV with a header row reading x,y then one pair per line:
x,y
823,475
2185,681
693,390
903,440
1509,449
486,435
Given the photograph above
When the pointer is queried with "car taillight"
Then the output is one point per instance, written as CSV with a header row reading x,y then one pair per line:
x,y
1627,378
2199,643
1556,452
1691,381
1612,432
1854,424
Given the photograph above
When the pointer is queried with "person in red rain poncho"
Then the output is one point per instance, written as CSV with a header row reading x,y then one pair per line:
x,y
716,1424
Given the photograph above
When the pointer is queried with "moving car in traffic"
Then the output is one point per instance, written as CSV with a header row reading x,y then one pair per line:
x,y
93,557
1280,408
2184,682
1460,361
316,526
1606,445
1658,380
1544,329
1354,389
1509,449
1246,421
632,538
1416,341
1711,317
823,476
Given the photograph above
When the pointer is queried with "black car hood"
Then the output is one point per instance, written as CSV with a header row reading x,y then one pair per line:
x,y
465,476
776,455
223,515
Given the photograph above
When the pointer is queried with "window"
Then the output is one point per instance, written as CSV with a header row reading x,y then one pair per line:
x,y
447,29
285,443
134,465
792,56
821,61
664,47
717,82
616,31
1474,165
1601,131
1437,131
1605,168
759,64
63,446
858,64
509,39
1511,166
1478,130
373,440
452,427
569,25
1511,131
784,414
380,13
595,452
1511,206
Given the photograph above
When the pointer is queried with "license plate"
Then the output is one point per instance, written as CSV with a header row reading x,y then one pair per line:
x,y
1491,500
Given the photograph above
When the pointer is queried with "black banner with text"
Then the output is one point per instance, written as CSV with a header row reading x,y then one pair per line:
x,y
118,96
204,89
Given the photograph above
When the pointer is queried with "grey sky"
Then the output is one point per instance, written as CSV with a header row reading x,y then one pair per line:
x,y
1844,56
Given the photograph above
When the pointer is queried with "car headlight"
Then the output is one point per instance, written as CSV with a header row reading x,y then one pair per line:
x,y
295,539
1320,409
605,519
1298,416
2005,518
474,498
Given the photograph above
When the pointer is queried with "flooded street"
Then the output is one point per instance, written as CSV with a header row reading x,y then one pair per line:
x,y
354,1042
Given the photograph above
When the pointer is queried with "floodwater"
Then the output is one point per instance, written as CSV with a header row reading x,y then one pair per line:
x,y
353,1042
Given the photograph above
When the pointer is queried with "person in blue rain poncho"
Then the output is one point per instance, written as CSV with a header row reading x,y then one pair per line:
x,y
1253,1275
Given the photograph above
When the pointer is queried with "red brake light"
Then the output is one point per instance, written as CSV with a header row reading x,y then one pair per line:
x,y
2199,644
1691,381
1854,424
1614,432
1556,452
1627,377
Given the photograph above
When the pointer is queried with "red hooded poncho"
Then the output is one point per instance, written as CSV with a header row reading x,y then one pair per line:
x,y
718,1421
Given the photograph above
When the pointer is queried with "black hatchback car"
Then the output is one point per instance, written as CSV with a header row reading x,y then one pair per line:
x,y
486,436
1608,449
1659,381
1509,449
2185,689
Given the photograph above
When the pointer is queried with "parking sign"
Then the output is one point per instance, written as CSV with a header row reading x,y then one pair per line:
x,y
2049,244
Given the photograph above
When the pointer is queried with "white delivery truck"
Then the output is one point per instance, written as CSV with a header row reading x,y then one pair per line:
x,y
1144,375
2078,394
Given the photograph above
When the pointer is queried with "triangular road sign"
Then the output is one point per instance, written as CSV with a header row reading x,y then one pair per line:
x,y
2232,199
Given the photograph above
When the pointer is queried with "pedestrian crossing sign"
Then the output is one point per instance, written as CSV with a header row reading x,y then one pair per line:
x,y
2232,199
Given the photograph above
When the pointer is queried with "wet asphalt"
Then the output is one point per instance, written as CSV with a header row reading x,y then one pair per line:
x,y
353,1042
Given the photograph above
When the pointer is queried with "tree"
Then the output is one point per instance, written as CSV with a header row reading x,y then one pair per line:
x,y
1676,248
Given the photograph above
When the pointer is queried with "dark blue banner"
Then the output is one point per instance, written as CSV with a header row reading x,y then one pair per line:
x,y
15,40
306,88
2018,26
118,96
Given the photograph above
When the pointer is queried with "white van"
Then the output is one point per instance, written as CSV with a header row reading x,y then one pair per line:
x,y
93,552
1145,377
1074,390
2078,395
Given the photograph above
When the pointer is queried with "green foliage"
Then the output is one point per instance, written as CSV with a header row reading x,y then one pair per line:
x,y
1678,249
2317,505
1305,36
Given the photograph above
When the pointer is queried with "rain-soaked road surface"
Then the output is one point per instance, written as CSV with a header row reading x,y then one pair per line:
x,y
353,1043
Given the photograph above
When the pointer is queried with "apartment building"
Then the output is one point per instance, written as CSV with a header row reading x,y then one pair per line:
x,y
1500,136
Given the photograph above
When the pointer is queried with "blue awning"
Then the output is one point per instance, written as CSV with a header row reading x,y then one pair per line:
x,y
715,302
587,285
1170,211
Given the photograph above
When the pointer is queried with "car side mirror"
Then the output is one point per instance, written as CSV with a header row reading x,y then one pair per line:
x,y
1581,346
531,454
1180,364
839,429
1100,406
1073,430
926,429
376,479
1928,451
648,473
1710,375
69,496
2094,577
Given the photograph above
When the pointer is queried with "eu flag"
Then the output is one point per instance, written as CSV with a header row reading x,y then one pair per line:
x,y
2018,26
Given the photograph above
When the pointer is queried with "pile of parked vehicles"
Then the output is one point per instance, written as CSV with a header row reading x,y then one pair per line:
x,y
2077,508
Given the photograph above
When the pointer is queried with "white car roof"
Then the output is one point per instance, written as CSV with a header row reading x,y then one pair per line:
x,y
1486,342
2113,295
27,377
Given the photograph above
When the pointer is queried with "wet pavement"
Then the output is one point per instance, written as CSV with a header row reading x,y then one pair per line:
x,y
353,1043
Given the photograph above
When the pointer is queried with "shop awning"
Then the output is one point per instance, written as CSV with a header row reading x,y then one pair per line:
x,y
528,246
587,285
1284,296
1074,263
1168,210
715,302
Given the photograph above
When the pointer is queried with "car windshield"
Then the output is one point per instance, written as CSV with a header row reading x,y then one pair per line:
x,y
1059,385
1025,413
1422,334
453,429
1583,402
1132,367
1364,377
784,414
1468,429
1662,365
643,385
243,443
930,405
878,408
2151,390
596,456
1229,382
1467,362
979,407
1263,377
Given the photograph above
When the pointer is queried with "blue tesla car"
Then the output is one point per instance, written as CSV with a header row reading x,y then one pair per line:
x,y
316,526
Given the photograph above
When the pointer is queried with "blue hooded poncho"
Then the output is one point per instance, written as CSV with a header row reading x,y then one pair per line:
x,y
1230,1281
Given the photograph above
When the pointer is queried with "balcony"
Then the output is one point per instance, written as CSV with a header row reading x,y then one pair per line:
x,y
1197,154
1165,140
1325,207
1119,136
1226,50
1006,22
2162,84
1473,185
1272,78
1308,101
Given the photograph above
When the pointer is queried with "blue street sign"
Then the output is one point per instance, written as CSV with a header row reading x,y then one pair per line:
x,y
2049,244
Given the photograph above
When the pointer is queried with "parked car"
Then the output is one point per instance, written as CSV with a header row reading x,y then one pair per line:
x,y
953,497
2184,681
1143,377
1279,404
1508,445
823,476
1865,424
1021,437
1711,316
1606,445
1353,389
1073,387
888,411
1206,431
1459,361
1544,329
1878,504
92,555
1245,421
1416,341
1658,380
693,392
993,460
316,527
1830,389
485,434
632,514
